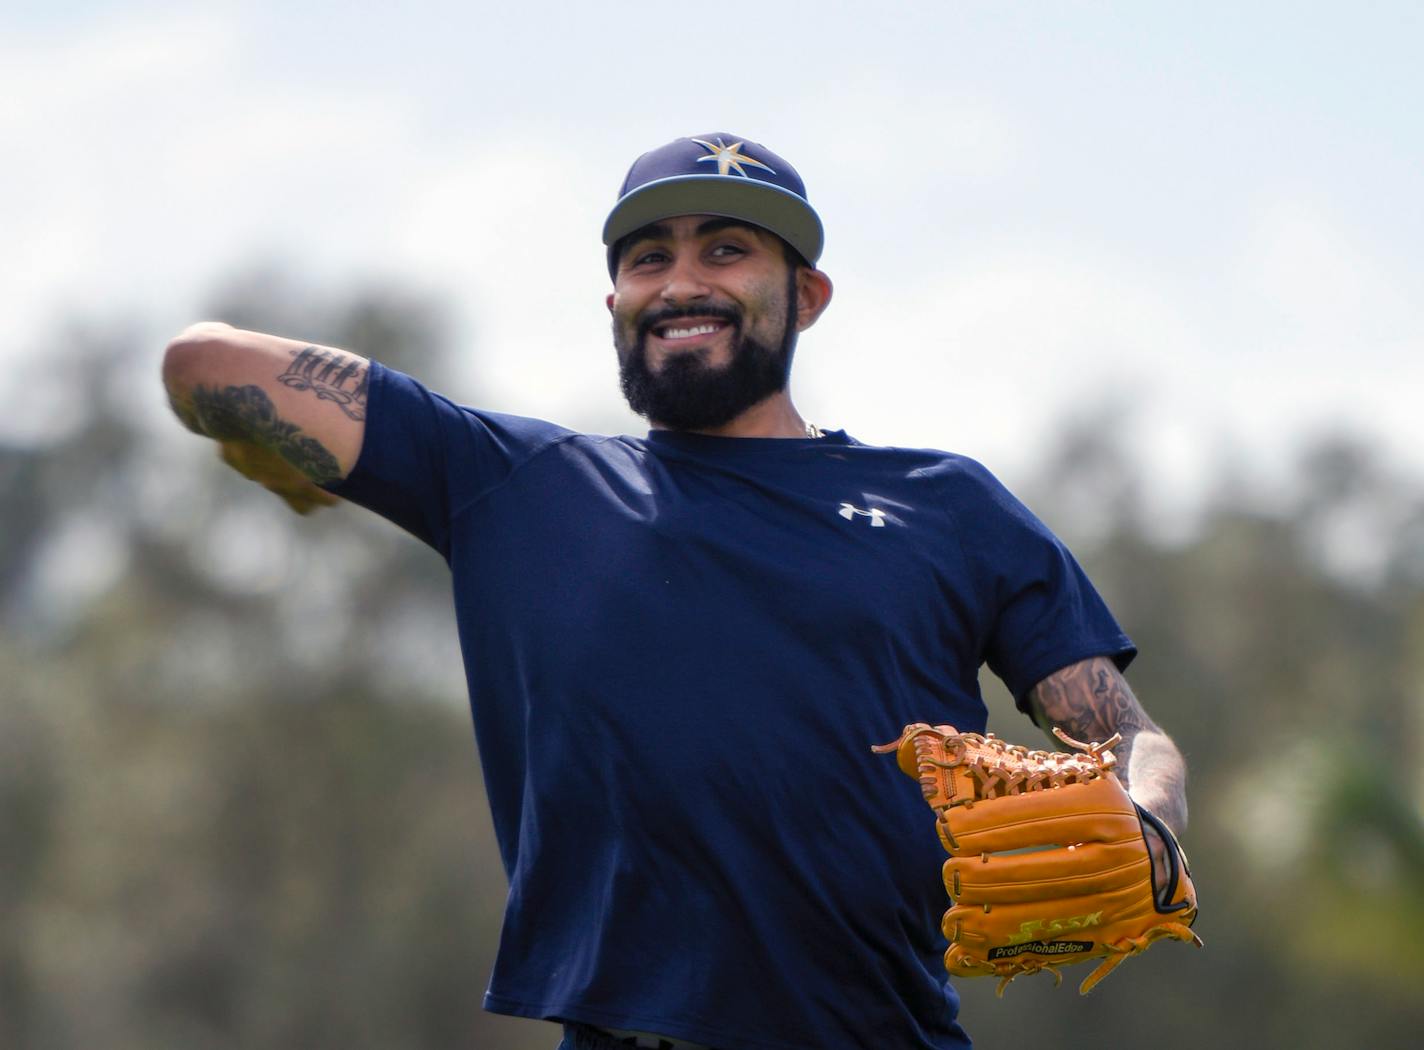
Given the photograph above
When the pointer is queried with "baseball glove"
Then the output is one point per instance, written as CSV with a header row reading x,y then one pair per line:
x,y
275,474
1049,863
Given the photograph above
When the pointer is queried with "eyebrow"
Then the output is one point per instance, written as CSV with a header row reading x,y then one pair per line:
x,y
661,231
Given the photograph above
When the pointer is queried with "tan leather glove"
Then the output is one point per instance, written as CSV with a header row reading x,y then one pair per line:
x,y
274,473
1049,862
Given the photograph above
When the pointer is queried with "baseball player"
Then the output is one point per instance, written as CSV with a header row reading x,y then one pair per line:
x,y
680,646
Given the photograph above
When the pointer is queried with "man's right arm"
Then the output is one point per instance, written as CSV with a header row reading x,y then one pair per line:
x,y
287,414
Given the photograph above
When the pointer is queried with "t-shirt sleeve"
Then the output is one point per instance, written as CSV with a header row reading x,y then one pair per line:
x,y
423,457
1043,612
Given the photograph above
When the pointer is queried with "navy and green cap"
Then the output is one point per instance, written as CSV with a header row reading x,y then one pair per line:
x,y
717,174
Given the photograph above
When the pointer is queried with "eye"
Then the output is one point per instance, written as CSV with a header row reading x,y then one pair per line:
x,y
728,250
647,257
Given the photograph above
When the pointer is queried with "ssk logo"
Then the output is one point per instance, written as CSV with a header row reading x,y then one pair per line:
x,y
1047,929
875,514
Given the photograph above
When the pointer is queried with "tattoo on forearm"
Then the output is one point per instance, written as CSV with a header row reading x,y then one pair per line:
x,y
1091,701
246,413
332,376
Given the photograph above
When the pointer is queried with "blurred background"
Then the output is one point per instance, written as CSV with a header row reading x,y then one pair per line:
x,y
1150,263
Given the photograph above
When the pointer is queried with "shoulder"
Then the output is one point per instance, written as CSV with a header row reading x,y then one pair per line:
x,y
960,474
961,480
400,397
988,519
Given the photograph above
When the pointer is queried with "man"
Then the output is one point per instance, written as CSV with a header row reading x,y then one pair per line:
x,y
680,647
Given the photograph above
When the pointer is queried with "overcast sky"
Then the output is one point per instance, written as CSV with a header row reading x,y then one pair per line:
x,y
1206,215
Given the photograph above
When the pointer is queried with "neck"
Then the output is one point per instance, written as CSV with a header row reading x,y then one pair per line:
x,y
773,417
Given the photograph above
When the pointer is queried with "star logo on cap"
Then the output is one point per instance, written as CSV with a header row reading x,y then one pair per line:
x,y
730,157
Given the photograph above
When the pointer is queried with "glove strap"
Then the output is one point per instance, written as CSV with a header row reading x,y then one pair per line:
x,y
1175,862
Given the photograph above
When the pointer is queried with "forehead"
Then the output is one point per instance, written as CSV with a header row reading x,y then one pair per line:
x,y
679,227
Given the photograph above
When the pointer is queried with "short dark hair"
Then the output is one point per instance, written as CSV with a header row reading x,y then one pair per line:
x,y
794,259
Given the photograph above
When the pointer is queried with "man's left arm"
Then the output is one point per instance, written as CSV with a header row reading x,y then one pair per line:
x,y
1090,701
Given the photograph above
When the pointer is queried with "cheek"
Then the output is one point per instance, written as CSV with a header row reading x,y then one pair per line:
x,y
626,310
624,320
768,306
625,331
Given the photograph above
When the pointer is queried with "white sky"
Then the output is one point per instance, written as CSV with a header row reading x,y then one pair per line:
x,y
1207,213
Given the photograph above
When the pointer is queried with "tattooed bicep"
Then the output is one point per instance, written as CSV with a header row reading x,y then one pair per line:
x,y
329,375
1089,700
305,402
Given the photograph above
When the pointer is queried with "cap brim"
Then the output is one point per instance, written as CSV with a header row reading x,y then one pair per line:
x,y
734,197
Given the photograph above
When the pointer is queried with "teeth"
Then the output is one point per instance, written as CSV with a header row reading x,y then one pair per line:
x,y
686,333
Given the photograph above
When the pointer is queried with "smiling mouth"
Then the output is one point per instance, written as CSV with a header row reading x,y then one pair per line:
x,y
677,331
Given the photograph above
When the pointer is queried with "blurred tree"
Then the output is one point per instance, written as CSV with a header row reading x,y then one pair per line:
x,y
1281,650
239,801
239,805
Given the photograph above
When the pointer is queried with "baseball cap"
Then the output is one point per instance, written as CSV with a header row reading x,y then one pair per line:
x,y
715,174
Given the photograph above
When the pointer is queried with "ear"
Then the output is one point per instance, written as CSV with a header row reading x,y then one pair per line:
x,y
813,295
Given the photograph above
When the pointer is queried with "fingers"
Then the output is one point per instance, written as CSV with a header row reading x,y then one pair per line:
x,y
1085,869
304,503
275,474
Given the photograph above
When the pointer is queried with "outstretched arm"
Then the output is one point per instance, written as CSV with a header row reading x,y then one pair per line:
x,y
1090,701
287,414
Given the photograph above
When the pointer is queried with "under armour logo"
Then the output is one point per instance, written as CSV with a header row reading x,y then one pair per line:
x,y
875,514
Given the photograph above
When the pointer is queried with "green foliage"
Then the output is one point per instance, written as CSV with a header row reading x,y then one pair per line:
x,y
240,805
239,800
1280,649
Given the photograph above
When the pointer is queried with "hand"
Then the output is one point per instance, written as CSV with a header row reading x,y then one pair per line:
x,y
1161,869
275,474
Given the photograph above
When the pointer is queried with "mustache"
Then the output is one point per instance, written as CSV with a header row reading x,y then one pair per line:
x,y
653,318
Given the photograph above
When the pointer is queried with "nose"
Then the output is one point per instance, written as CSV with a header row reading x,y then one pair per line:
x,y
685,282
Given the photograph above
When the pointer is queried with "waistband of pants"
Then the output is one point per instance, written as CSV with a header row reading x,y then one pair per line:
x,y
578,1036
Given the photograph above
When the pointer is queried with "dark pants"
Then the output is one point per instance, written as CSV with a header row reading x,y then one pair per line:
x,y
583,1037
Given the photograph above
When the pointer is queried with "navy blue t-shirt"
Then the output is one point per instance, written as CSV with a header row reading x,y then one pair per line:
x,y
679,651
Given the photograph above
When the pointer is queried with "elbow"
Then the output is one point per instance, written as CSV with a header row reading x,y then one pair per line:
x,y
187,361
202,334
186,350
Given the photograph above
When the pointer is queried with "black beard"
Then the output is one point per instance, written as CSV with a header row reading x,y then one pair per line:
x,y
687,394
